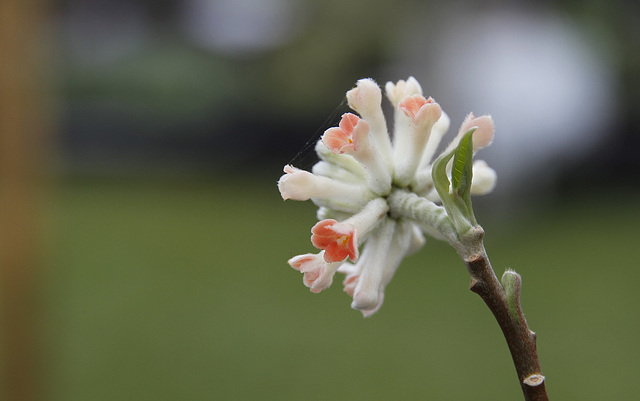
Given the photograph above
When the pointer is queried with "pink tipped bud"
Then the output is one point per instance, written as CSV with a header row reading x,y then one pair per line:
x,y
483,136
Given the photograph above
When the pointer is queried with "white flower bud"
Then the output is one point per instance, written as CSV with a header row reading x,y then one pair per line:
x,y
484,178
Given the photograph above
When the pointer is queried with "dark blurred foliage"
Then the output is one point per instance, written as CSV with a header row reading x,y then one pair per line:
x,y
169,100
138,89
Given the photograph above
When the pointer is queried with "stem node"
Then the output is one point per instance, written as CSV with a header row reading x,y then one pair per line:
x,y
472,285
534,380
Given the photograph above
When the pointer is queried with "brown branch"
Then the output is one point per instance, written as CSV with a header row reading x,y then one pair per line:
x,y
508,313
23,126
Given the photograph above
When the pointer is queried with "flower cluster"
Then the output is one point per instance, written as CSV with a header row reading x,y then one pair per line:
x,y
361,166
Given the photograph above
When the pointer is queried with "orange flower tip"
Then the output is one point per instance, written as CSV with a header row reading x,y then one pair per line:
x,y
339,241
322,227
335,253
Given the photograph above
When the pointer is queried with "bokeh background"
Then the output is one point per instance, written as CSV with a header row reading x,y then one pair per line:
x,y
143,243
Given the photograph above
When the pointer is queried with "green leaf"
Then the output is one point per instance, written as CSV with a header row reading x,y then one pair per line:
x,y
457,202
462,169
439,176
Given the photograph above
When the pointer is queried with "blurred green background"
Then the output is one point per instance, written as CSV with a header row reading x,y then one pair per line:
x,y
180,290
143,170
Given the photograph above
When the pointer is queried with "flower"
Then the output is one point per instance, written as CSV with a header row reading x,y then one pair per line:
x,y
337,240
363,172
345,138
318,274
353,138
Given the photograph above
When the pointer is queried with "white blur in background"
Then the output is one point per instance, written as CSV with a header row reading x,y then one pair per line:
x,y
241,27
548,87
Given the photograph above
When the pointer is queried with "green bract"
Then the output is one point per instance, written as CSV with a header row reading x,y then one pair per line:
x,y
456,194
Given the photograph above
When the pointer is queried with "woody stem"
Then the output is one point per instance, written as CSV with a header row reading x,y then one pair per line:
x,y
508,313
504,306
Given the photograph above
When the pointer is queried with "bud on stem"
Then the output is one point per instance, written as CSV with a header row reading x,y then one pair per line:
x,y
512,282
